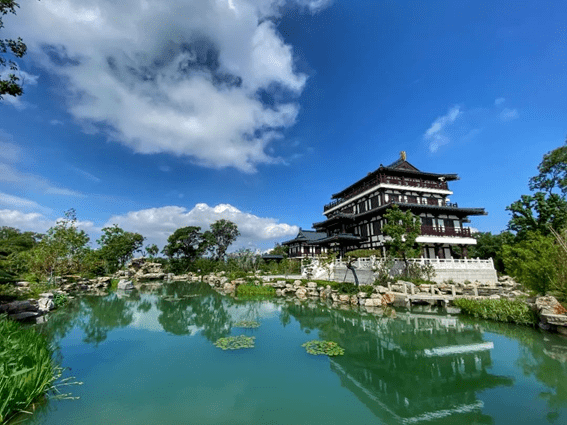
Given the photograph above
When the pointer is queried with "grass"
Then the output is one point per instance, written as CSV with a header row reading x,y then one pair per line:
x,y
507,311
253,290
26,368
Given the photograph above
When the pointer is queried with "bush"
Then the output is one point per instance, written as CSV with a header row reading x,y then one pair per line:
x,y
26,368
364,253
248,290
509,311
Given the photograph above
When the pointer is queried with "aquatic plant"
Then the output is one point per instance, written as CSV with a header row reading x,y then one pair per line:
x,y
235,342
327,348
26,368
250,324
501,310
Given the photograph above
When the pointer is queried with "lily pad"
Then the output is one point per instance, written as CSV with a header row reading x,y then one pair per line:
x,y
249,324
327,348
235,342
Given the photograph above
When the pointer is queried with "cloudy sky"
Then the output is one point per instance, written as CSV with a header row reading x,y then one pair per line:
x,y
159,114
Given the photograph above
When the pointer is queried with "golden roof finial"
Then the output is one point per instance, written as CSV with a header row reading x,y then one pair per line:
x,y
403,155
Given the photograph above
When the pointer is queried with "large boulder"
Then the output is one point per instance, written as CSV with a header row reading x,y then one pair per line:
x,y
125,285
549,305
45,304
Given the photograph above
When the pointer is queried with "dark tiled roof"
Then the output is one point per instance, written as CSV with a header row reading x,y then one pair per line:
x,y
306,236
341,237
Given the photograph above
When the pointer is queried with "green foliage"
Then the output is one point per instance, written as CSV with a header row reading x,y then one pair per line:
x,y
61,251
26,368
9,82
280,250
60,299
364,253
12,243
249,290
187,243
235,342
533,262
222,234
402,229
552,172
537,213
502,310
369,289
248,324
114,284
490,246
326,348
117,247
152,250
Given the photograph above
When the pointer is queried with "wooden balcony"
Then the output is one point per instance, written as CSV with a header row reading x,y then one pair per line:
x,y
464,232
382,178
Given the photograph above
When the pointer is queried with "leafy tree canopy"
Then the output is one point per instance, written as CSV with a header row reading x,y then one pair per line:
x,y
10,84
536,213
152,250
187,243
402,229
118,246
552,172
222,234
490,246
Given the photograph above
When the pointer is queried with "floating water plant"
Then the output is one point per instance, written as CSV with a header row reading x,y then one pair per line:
x,y
326,348
249,324
235,342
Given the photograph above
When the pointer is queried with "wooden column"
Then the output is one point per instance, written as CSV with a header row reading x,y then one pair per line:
x,y
465,252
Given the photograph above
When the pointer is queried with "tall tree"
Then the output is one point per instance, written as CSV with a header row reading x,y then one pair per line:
x,y
117,246
186,243
10,83
536,213
552,172
402,229
223,233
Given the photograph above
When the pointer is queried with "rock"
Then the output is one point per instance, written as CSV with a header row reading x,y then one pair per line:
x,y
301,292
549,305
388,299
26,315
311,285
279,292
554,319
23,283
277,285
20,306
344,299
46,295
45,304
125,285
373,302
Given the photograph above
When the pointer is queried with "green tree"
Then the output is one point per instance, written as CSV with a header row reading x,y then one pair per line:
x,y
13,242
402,229
552,172
534,261
152,250
536,213
280,250
222,234
186,243
10,84
117,246
62,249
490,246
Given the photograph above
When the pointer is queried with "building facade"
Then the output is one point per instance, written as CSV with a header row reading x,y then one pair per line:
x,y
354,219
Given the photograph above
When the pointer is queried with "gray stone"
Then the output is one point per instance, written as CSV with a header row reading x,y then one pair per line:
x,y
26,315
125,285
46,295
45,304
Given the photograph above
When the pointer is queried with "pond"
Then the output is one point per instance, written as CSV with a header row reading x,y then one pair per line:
x,y
149,358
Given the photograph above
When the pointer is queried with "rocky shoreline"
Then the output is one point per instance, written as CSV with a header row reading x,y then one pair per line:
x,y
553,316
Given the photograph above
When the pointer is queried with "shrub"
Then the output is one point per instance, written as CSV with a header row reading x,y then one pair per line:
x,y
253,290
502,310
26,368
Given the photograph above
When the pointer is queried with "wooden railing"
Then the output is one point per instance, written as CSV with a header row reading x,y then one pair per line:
x,y
464,232
382,178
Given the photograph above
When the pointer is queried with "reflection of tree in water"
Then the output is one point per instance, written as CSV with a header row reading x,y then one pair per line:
x,y
184,306
543,357
407,369
105,314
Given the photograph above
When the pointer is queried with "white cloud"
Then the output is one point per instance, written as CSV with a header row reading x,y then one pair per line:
x,y
9,152
11,201
56,122
499,101
26,181
509,114
86,174
437,135
156,224
176,77
25,79
33,222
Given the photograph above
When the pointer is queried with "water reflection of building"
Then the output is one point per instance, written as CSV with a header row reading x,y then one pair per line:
x,y
413,368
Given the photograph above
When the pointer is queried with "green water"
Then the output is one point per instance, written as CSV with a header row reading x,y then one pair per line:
x,y
148,358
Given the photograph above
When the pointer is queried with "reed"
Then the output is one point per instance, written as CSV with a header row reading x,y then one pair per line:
x,y
27,370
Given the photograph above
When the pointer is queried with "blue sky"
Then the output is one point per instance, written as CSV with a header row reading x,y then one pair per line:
x,y
157,115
